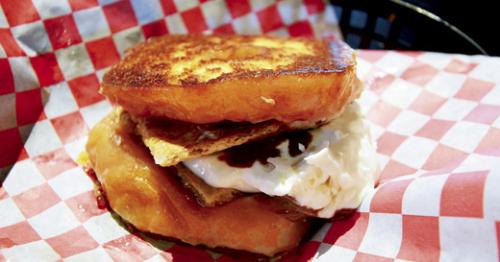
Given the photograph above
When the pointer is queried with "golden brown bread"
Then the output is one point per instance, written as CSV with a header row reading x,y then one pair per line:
x,y
207,79
152,199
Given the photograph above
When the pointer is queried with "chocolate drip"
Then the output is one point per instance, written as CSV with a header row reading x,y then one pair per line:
x,y
246,155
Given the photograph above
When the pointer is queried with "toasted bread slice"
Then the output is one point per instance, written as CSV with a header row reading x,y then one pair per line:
x,y
152,198
208,79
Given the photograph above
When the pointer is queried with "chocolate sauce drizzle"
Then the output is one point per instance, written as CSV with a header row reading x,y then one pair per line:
x,y
246,155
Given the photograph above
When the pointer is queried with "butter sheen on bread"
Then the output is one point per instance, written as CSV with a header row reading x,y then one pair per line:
x,y
207,79
152,199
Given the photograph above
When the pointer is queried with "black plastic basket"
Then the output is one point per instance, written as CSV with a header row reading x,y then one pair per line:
x,y
395,24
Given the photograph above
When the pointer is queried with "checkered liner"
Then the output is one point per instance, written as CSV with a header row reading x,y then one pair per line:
x,y
435,118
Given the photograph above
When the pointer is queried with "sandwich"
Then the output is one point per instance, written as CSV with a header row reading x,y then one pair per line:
x,y
233,141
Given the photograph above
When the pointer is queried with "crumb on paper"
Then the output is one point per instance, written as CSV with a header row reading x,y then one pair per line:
x,y
268,100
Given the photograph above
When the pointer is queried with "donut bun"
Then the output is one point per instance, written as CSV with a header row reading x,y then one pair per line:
x,y
200,79
152,198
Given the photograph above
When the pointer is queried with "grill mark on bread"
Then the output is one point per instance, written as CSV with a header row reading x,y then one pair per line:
x,y
207,79
150,64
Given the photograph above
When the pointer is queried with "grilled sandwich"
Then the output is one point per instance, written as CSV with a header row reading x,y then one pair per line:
x,y
233,141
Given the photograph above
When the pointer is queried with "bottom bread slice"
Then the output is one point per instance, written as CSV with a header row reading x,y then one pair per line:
x,y
153,199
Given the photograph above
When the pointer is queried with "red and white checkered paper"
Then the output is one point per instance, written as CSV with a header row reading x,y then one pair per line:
x,y
435,118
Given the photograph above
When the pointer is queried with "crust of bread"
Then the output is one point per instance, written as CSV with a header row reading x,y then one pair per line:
x,y
152,198
208,79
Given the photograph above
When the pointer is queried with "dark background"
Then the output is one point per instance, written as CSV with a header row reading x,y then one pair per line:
x,y
480,19
387,24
